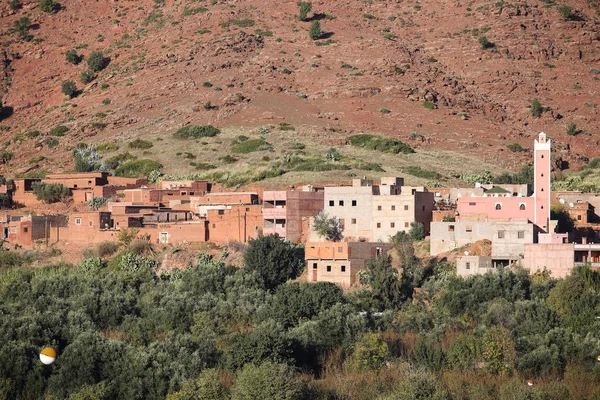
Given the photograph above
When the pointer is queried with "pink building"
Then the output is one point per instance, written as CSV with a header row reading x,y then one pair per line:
x,y
535,209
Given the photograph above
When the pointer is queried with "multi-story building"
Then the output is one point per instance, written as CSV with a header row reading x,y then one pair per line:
x,y
338,262
284,211
369,212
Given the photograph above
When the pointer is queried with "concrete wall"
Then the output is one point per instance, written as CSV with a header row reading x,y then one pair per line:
x,y
291,207
473,265
556,258
357,219
235,224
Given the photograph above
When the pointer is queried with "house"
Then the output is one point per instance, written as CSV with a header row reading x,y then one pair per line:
x,y
339,262
26,230
474,265
508,237
234,223
369,212
284,210
23,192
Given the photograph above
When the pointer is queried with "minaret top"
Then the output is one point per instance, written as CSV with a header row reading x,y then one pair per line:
x,y
542,142
542,137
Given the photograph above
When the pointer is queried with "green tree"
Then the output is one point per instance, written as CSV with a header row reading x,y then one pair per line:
x,y
328,228
269,381
208,386
97,62
73,57
485,43
69,88
314,31
572,129
49,6
22,27
384,282
370,352
536,108
50,192
417,231
559,213
498,349
305,8
274,260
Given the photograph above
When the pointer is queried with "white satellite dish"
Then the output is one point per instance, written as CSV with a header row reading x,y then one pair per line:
x,y
562,201
571,205
466,253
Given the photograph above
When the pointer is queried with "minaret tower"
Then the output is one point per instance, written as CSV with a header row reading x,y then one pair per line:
x,y
541,182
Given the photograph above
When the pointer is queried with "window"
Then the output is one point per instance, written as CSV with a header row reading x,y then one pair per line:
x,y
542,175
378,208
501,234
437,194
341,203
522,206
191,193
340,249
542,156
77,221
343,268
329,268
406,224
423,208
354,220
392,224
393,208
406,207
450,228
472,203
579,218
353,203
498,206
469,228
379,224
521,234
213,226
342,222
314,265
468,265
247,208
90,223
25,229
221,212
378,252
331,203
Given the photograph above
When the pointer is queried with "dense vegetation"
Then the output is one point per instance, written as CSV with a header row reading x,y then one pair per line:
x,y
196,132
213,331
374,142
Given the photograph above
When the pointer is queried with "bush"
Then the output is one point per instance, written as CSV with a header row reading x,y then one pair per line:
x,y
417,231
106,248
371,352
49,6
379,143
536,108
58,130
97,62
140,247
305,8
107,147
430,105
87,76
515,147
269,381
137,168
196,132
69,88
565,12
485,43
251,145
22,27
50,192
274,260
572,129
140,144
421,173
51,143
73,57
314,31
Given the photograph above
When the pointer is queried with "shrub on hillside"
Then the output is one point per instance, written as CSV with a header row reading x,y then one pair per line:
x,y
140,144
248,146
137,168
69,88
536,108
58,130
106,248
97,62
305,8
315,30
49,6
379,143
22,27
87,76
73,57
195,132
50,192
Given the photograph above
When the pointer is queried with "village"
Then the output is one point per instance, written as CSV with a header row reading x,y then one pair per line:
x,y
513,220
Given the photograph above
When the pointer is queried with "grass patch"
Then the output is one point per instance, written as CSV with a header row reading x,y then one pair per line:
x,y
140,144
515,147
429,105
241,23
137,168
193,11
107,147
421,173
195,132
251,145
374,142
205,166
284,126
52,143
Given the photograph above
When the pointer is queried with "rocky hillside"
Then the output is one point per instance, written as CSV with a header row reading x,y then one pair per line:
x,y
438,74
